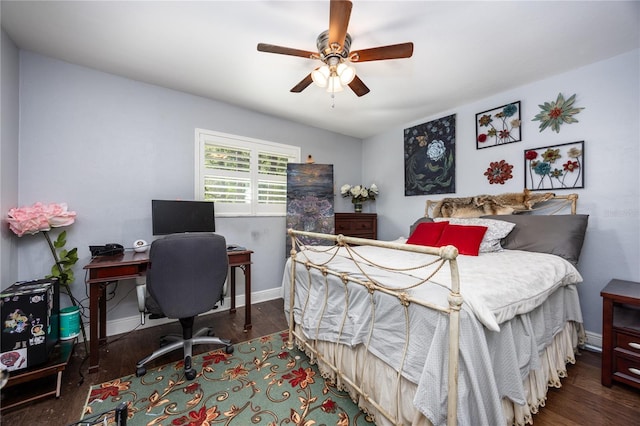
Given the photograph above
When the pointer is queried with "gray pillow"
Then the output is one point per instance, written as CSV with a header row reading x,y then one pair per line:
x,y
415,224
561,235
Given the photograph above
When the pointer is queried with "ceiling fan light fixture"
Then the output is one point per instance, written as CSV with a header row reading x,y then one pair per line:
x,y
333,84
346,73
320,76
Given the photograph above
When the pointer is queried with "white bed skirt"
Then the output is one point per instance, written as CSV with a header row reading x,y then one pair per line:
x,y
378,380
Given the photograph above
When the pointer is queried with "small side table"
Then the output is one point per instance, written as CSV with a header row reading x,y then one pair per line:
x,y
58,360
621,333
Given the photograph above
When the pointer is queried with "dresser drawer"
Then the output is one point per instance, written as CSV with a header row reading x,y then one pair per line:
x,y
626,367
343,227
361,234
354,226
628,342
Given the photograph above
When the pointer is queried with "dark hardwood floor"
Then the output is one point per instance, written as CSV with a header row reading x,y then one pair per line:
x,y
582,399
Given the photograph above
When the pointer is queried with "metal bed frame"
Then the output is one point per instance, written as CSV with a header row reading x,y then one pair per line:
x,y
445,255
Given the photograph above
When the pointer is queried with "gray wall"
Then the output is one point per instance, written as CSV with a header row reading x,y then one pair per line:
x,y
609,91
107,145
9,138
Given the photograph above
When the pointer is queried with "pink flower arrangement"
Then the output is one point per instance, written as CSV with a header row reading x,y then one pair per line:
x,y
39,217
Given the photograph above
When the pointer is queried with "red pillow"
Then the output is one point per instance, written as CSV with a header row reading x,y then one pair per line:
x,y
427,233
466,238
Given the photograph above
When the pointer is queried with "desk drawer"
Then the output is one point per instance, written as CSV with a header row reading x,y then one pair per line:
x,y
239,257
116,271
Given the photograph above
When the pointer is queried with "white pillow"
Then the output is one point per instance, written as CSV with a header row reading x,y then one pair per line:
x,y
496,230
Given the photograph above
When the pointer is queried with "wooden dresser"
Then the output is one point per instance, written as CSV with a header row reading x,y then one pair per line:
x,y
621,333
361,225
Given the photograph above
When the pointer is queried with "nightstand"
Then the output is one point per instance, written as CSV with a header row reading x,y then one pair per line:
x,y
621,333
361,225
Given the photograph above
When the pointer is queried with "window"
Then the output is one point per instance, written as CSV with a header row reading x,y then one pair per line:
x,y
242,176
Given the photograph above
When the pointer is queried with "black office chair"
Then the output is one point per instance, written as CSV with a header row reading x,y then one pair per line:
x,y
185,278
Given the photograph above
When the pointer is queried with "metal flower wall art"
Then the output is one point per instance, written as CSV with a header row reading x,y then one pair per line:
x,y
499,172
553,114
555,167
498,126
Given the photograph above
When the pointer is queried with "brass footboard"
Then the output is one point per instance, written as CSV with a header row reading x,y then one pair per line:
x,y
444,256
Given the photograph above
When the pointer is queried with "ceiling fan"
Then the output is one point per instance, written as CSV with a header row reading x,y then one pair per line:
x,y
334,51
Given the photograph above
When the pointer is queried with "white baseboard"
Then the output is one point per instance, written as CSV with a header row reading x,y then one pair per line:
x,y
594,341
124,325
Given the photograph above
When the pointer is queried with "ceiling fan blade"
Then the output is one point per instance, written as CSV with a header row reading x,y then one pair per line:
x,y
339,15
394,51
358,87
271,48
304,83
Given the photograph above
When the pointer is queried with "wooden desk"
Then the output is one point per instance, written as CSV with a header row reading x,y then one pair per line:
x,y
106,269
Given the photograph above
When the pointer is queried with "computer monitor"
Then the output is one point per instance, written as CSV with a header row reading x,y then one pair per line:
x,y
176,216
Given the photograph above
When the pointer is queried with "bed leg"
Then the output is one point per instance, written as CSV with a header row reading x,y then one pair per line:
x,y
292,291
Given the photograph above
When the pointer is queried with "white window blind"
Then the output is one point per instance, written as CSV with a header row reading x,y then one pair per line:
x,y
242,176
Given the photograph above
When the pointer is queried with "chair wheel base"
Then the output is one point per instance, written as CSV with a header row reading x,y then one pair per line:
x,y
189,371
141,371
229,349
190,374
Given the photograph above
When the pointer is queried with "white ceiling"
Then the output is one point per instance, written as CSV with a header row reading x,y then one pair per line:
x,y
463,51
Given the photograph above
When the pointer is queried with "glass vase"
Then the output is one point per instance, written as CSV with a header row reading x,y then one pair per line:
x,y
357,207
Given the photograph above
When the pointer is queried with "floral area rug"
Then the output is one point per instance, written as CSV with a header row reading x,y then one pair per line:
x,y
261,383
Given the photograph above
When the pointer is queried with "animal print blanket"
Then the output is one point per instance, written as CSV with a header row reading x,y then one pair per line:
x,y
481,205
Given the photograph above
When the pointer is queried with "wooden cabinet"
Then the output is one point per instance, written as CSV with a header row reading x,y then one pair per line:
x,y
621,333
361,225
38,375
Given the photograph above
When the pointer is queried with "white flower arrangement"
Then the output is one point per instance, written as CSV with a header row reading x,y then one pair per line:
x,y
359,193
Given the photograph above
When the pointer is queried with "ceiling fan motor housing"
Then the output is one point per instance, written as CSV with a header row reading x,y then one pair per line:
x,y
327,51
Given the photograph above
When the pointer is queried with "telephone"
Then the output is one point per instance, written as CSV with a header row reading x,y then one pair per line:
x,y
111,249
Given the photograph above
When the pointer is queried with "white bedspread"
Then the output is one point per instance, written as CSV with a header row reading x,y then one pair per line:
x,y
498,289
496,286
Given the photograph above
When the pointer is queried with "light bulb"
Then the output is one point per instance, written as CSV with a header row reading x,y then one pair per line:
x,y
320,76
346,73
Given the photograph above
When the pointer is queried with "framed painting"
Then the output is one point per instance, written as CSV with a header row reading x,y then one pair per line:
x,y
554,167
498,126
309,199
429,157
